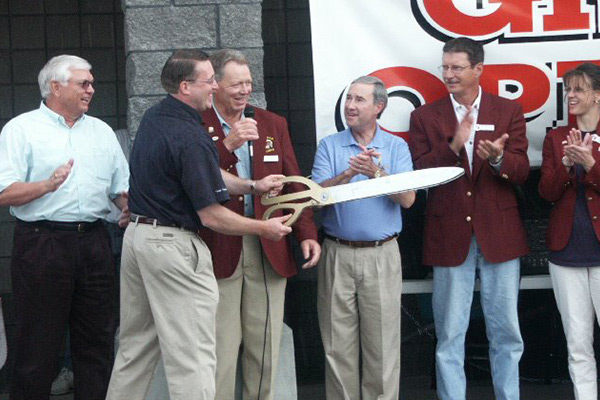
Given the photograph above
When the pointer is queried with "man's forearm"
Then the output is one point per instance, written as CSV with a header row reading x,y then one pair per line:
x,y
341,179
227,222
120,201
236,185
405,199
20,193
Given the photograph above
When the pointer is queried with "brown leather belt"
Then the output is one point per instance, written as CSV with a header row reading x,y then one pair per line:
x,y
149,221
361,243
153,221
79,227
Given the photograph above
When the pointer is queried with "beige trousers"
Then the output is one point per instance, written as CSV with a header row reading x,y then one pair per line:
x,y
250,314
359,292
168,306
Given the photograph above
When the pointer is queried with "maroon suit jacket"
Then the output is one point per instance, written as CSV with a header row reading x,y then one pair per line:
x,y
481,203
559,187
274,140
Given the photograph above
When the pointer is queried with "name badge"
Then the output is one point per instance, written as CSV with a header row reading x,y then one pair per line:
x,y
271,158
485,127
595,138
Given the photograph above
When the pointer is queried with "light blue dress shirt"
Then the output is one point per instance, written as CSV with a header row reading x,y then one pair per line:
x,y
243,166
368,219
34,144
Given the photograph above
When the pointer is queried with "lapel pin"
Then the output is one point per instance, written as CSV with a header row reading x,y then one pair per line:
x,y
211,130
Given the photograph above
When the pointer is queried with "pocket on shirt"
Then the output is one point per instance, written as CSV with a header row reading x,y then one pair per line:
x,y
98,165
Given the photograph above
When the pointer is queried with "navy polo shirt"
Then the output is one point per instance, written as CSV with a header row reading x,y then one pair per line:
x,y
174,166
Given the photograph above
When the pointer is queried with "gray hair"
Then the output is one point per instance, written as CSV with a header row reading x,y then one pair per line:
x,y
59,69
220,58
379,91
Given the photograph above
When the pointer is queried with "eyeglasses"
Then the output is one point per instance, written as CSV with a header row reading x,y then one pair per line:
x,y
85,85
456,69
210,80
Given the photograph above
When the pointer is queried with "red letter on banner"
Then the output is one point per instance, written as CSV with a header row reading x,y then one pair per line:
x,y
427,85
564,66
517,13
534,82
567,15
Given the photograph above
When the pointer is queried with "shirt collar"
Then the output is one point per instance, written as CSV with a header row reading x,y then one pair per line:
x,y
224,124
178,104
378,141
220,118
459,107
54,116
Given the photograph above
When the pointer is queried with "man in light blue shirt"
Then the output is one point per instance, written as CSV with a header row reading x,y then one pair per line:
x,y
59,171
360,272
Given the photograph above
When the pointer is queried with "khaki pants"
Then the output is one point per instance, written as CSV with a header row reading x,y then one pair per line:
x,y
241,314
358,302
168,306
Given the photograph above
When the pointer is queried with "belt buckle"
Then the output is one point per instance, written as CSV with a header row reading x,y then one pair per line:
x,y
81,227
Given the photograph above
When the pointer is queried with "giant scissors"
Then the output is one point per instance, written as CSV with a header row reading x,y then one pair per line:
x,y
317,196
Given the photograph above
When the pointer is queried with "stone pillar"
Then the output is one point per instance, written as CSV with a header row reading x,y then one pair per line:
x,y
154,28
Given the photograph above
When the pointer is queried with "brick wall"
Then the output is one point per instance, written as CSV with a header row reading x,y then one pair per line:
x,y
153,29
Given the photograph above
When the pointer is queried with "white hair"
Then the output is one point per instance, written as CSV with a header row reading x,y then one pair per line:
x,y
59,69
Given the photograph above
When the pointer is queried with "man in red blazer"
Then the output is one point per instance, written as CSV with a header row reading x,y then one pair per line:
x,y
251,272
472,225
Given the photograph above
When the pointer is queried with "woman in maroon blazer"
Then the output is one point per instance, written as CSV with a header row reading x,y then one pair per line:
x,y
570,178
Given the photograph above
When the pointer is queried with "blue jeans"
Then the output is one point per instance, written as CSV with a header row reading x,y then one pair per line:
x,y
452,297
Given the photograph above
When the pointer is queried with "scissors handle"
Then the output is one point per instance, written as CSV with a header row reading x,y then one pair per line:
x,y
297,209
291,201
314,192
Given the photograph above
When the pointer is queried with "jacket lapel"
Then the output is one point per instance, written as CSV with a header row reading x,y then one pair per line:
x,y
211,121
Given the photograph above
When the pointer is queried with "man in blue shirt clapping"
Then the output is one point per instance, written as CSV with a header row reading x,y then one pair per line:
x,y
360,272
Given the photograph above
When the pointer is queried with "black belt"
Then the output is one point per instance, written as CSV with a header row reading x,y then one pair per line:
x,y
361,243
80,227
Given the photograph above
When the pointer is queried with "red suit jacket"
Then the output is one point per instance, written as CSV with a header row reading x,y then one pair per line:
x,y
274,141
559,187
481,203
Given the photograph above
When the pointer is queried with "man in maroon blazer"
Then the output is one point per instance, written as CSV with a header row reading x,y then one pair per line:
x,y
472,225
251,272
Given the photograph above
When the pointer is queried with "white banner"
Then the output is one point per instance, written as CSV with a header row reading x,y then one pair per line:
x,y
529,44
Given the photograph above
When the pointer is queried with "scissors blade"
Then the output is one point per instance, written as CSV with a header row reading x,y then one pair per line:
x,y
392,184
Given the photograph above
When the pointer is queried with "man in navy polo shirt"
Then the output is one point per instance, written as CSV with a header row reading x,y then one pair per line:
x,y
169,293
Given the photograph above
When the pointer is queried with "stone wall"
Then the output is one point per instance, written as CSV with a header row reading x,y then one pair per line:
x,y
154,28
